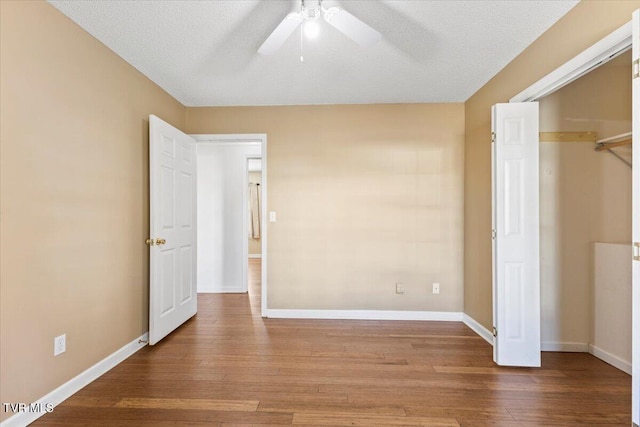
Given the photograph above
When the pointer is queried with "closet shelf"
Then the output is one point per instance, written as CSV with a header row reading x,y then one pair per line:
x,y
584,136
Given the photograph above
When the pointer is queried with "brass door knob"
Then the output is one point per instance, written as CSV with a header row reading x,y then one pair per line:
x,y
149,242
160,241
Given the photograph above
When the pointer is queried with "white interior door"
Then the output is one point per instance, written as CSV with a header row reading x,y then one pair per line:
x,y
172,177
636,219
516,234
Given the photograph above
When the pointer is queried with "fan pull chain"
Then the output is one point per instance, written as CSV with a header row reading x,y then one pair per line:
x,y
301,39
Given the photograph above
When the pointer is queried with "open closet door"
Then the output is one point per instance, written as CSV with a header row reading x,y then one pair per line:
x,y
172,178
636,219
516,234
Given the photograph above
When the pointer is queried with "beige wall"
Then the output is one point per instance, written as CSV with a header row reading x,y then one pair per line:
x,y
584,25
585,196
255,245
74,198
366,196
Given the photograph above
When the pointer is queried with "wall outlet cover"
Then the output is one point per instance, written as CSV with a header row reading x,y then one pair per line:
x,y
59,344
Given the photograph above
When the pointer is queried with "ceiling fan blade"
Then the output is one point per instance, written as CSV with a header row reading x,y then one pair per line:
x,y
281,33
352,27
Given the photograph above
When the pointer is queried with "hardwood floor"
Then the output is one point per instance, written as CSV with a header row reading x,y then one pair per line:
x,y
228,366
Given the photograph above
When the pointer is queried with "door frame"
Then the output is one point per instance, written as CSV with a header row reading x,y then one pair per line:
x,y
246,139
604,50
614,44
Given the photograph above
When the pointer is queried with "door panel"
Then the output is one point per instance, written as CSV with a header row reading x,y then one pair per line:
x,y
513,181
514,290
186,280
168,198
172,171
516,254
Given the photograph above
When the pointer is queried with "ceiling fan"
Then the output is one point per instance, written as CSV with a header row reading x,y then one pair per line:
x,y
310,12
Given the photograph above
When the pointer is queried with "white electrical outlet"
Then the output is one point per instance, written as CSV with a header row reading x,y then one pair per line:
x,y
272,216
436,288
59,344
399,288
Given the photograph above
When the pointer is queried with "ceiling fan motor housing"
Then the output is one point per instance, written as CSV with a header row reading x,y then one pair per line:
x,y
309,14
311,9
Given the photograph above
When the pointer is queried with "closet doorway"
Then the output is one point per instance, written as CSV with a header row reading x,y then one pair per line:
x,y
585,215
601,52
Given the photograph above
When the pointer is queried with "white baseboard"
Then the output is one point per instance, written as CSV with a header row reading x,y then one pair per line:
x,y
568,347
221,291
75,384
448,316
255,256
478,328
573,347
610,359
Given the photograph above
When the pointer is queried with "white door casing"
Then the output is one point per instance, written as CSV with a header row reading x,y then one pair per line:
x,y
516,234
172,178
635,383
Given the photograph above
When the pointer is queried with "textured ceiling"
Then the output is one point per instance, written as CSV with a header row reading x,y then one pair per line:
x,y
204,53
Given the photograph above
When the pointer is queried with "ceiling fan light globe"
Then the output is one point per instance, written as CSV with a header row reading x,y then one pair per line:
x,y
311,29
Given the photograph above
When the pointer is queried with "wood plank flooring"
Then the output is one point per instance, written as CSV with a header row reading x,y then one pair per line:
x,y
230,367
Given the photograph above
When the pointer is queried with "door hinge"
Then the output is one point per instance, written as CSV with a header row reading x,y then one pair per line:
x,y
635,69
636,251
493,234
493,137
495,332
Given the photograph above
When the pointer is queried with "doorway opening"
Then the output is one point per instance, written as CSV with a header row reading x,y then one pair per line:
x,y
606,50
254,180
585,215
254,221
225,220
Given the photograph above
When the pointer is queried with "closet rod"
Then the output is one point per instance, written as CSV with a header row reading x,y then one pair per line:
x,y
615,138
601,146
607,144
